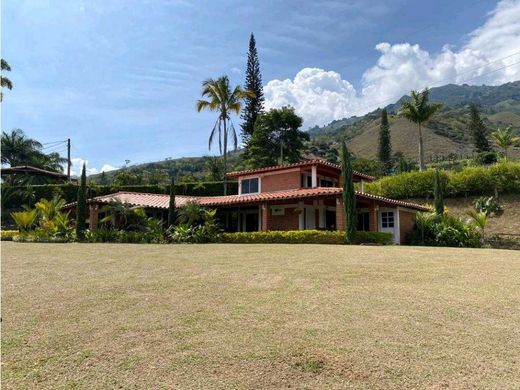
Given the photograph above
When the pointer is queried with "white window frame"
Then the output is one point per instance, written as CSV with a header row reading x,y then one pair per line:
x,y
249,178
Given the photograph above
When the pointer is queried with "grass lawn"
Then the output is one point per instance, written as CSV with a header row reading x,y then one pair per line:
x,y
259,316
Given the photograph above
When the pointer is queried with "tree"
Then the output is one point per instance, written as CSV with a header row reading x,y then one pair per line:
x,y
172,212
213,165
18,149
224,101
419,111
385,145
277,138
438,192
478,130
253,105
81,206
349,194
5,82
505,139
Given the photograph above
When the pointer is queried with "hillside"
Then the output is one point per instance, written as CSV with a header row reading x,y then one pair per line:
x,y
446,134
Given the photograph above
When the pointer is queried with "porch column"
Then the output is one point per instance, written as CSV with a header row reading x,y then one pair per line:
x,y
314,176
361,186
93,216
340,215
321,214
373,224
265,217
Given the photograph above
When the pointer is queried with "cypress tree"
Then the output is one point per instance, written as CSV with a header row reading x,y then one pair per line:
x,y
81,207
172,212
349,194
438,193
385,146
478,130
253,105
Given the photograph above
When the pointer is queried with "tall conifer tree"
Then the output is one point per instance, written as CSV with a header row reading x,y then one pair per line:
x,y
478,130
349,194
81,207
438,192
385,145
253,105
172,212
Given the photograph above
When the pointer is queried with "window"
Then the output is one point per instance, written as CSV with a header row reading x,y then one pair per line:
x,y
387,219
249,186
306,181
326,183
363,219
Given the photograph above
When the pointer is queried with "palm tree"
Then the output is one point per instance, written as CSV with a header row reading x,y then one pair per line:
x,y
5,82
419,111
18,149
225,101
505,139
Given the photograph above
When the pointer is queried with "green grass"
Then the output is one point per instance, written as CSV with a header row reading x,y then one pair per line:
x,y
259,316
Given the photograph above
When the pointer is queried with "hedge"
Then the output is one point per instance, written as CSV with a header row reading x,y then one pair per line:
x,y
15,196
304,237
7,235
502,177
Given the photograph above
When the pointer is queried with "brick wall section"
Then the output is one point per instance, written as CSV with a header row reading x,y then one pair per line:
x,y
407,222
266,217
289,221
340,215
373,224
93,216
281,181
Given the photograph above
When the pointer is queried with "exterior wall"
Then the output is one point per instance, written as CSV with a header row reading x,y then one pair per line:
x,y
406,224
288,221
281,181
340,215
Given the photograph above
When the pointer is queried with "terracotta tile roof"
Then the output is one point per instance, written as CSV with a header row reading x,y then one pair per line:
x,y
161,201
305,163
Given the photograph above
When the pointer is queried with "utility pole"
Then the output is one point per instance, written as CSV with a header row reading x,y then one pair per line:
x,y
68,158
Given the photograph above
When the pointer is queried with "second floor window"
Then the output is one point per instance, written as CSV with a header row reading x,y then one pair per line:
x,y
249,186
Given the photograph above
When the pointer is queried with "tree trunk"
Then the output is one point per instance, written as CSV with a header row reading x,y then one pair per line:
x,y
225,157
421,150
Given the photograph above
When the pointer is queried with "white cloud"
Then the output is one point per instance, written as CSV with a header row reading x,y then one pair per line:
x,y
77,166
321,96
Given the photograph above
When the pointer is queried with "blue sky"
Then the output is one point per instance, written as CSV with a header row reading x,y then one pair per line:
x,y
121,78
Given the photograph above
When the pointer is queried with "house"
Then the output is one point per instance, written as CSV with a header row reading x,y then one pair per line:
x,y
299,196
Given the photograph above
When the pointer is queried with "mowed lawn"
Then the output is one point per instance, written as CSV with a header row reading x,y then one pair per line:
x,y
259,316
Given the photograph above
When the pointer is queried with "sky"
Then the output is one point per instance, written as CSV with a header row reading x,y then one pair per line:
x,y
120,78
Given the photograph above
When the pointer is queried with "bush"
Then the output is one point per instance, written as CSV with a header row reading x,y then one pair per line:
x,y
303,237
502,177
488,205
486,158
444,230
7,235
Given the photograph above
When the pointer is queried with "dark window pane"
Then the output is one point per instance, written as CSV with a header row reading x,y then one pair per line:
x,y
253,185
245,186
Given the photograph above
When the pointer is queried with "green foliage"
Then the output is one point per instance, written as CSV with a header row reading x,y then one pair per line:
x,y
304,237
7,235
81,207
401,164
4,81
253,104
505,139
277,138
444,230
221,99
349,194
486,158
385,145
25,220
488,205
370,167
439,188
172,212
502,177
419,111
478,130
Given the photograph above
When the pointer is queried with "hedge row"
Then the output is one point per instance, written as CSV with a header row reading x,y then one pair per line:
x,y
7,235
14,197
304,237
501,177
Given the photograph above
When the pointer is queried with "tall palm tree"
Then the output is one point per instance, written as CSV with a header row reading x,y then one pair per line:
x,y
222,99
505,139
5,82
419,111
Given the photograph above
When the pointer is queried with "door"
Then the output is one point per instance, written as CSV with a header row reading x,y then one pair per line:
x,y
251,222
388,222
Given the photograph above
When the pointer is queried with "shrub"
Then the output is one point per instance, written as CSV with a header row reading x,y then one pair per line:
x,y
25,220
488,205
484,180
303,237
444,230
486,158
7,235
